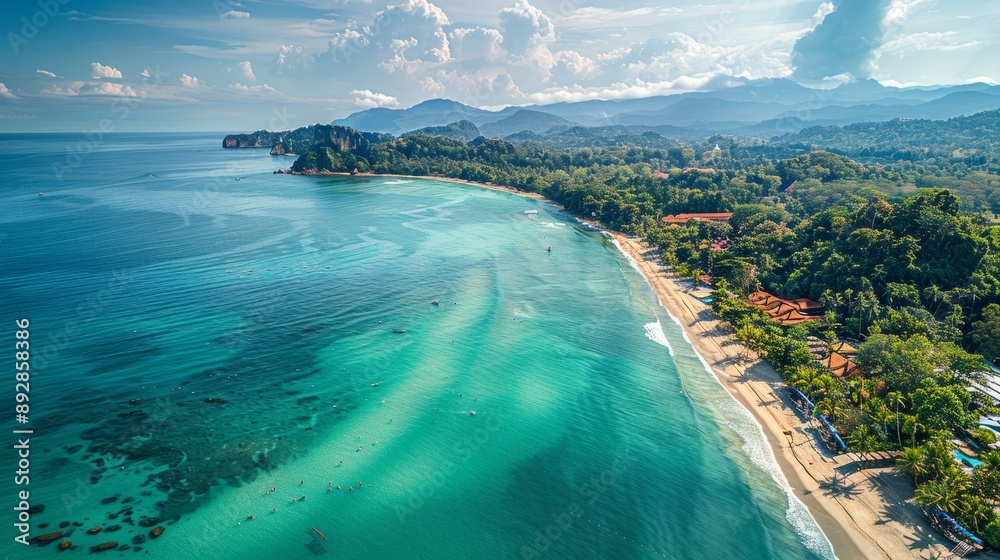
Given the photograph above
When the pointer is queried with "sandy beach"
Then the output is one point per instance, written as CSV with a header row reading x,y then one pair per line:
x,y
864,513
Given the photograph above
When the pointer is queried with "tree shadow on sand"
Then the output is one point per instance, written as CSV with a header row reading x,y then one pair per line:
x,y
896,489
839,487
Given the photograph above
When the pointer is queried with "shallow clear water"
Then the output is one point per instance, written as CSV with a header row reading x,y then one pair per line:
x,y
166,269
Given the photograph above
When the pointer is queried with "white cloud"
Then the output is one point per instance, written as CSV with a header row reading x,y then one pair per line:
x,y
252,89
144,73
927,41
98,70
109,88
46,73
71,89
190,81
92,88
476,44
6,93
234,14
368,99
825,9
900,10
244,69
590,16
982,80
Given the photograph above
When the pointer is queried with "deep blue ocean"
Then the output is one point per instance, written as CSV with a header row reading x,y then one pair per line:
x,y
203,331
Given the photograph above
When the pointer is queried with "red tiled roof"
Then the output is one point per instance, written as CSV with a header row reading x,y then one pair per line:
x,y
710,216
841,366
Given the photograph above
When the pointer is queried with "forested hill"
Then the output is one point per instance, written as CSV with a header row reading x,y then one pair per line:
x,y
900,137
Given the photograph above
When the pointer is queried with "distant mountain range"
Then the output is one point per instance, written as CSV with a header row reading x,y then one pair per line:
x,y
761,108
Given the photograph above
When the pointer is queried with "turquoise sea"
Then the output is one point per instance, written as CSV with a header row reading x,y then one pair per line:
x,y
203,331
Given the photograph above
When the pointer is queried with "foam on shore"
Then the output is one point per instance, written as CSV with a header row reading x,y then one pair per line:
x,y
756,446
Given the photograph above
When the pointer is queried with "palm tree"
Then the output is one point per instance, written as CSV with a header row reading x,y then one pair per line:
x,y
913,462
895,399
945,493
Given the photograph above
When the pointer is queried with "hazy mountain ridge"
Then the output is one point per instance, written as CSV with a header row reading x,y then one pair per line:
x,y
739,110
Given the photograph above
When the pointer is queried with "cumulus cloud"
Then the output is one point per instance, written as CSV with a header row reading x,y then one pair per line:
x,y
245,69
94,88
848,39
46,73
369,100
190,81
109,88
98,70
6,93
263,88
144,74
70,90
524,27
478,44
235,14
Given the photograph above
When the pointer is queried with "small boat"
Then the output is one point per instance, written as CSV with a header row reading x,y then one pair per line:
x,y
400,331
65,544
94,530
156,531
550,249
321,535
531,211
472,413
104,546
435,302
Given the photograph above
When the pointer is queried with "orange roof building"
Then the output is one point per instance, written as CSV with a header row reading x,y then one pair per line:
x,y
782,311
699,217
841,366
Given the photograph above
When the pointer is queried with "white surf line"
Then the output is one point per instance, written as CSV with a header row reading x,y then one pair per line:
x,y
808,533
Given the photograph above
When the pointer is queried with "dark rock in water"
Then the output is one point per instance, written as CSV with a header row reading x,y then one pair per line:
x,y
42,525
39,508
73,449
65,544
64,524
127,413
138,539
48,537
156,531
78,524
109,500
137,549
124,547
135,401
128,499
128,520
216,401
98,462
150,521
112,516
104,546
95,477
112,528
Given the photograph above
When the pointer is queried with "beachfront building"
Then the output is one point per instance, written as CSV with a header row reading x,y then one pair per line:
x,y
681,219
786,312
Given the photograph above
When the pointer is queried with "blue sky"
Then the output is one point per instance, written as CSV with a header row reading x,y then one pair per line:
x,y
244,65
